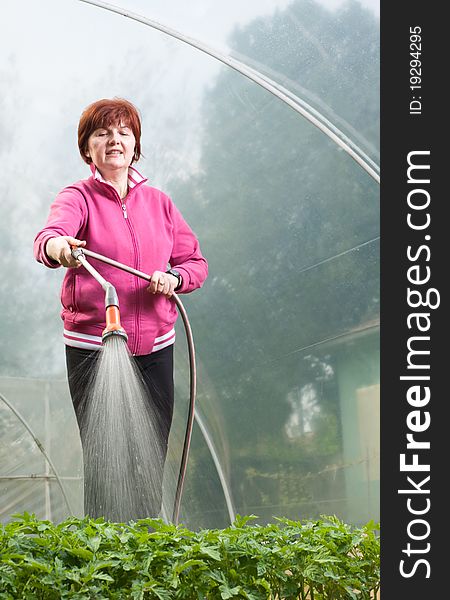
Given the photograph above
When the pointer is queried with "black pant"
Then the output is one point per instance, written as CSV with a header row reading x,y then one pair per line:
x,y
157,373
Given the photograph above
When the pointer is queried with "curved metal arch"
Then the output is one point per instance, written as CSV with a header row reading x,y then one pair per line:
x,y
212,450
41,448
327,123
268,84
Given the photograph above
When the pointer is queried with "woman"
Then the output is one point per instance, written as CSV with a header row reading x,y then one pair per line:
x,y
115,213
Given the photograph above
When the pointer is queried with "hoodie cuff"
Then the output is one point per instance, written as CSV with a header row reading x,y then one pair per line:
x,y
44,258
185,279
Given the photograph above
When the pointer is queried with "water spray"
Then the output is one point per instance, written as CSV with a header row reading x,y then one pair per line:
x,y
114,328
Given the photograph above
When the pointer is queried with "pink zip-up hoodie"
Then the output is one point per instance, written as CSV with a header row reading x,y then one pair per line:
x,y
145,231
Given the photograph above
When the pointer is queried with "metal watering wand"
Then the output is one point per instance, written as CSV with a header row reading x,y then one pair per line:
x,y
114,328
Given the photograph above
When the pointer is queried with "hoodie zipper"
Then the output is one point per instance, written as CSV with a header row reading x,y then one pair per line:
x,y
134,350
136,265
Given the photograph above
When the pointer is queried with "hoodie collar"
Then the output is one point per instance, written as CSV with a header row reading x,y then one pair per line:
x,y
134,177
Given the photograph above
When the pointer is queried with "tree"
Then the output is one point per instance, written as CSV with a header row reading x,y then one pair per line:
x,y
289,224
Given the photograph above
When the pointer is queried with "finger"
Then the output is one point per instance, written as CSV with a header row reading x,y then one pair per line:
x,y
64,262
69,261
154,282
74,241
65,254
173,282
171,289
162,284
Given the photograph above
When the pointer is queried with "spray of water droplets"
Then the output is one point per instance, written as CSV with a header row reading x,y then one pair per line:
x,y
123,451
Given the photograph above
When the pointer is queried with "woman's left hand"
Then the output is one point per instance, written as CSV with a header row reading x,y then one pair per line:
x,y
162,283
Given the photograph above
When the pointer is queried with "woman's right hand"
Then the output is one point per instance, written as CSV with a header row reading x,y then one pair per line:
x,y
59,249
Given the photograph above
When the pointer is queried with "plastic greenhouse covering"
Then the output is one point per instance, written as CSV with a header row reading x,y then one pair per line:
x,y
261,121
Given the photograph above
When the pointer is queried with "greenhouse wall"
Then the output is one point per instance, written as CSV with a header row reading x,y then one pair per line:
x,y
274,164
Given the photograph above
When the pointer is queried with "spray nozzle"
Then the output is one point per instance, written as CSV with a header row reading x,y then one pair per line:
x,y
111,298
113,326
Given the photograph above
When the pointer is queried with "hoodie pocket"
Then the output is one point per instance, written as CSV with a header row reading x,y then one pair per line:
x,y
87,300
68,293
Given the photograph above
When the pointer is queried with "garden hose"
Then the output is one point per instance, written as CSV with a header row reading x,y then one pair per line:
x,y
113,327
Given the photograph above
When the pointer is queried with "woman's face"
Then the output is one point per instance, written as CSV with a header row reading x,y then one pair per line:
x,y
111,148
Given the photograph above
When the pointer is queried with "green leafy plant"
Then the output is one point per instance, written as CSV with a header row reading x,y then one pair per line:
x,y
87,559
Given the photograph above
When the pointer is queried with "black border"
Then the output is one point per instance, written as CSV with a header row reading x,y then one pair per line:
x,y
401,133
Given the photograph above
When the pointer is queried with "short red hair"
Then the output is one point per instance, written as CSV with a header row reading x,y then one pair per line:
x,y
104,113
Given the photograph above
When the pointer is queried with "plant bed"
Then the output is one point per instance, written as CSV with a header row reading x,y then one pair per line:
x,y
95,559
